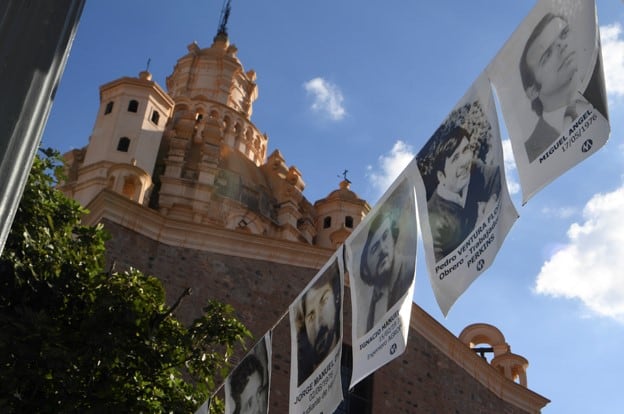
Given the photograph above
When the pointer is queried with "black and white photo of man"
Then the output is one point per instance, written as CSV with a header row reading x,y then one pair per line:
x,y
387,261
247,387
318,322
461,187
550,76
550,84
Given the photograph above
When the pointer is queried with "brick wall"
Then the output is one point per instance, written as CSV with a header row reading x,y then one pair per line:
x,y
422,380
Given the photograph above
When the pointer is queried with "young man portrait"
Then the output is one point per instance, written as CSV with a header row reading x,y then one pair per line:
x,y
550,76
318,322
249,386
387,261
463,188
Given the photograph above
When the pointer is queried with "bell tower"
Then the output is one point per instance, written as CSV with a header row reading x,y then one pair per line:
x,y
192,153
338,214
211,149
124,144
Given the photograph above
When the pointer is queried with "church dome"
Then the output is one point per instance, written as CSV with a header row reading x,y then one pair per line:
x,y
214,74
343,193
338,214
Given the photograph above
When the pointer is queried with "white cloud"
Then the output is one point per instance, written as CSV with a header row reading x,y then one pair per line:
x,y
589,266
510,168
390,165
559,212
327,98
612,38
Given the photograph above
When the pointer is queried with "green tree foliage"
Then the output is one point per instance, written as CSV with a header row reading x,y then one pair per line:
x,y
76,338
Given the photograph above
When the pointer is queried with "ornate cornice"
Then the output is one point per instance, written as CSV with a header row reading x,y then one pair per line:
x,y
150,223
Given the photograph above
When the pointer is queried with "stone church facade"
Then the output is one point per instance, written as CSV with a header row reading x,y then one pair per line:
x,y
182,180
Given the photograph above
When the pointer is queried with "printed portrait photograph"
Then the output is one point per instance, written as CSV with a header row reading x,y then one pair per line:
x,y
318,321
551,71
462,181
247,387
385,257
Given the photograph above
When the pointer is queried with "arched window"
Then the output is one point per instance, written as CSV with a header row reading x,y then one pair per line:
x,y
124,144
349,222
129,187
327,222
133,106
109,108
155,117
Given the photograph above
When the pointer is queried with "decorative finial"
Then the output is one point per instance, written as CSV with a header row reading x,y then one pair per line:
x,y
225,14
344,176
145,74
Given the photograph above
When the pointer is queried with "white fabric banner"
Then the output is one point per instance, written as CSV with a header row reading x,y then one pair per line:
x,y
381,261
464,207
204,408
316,341
550,83
247,387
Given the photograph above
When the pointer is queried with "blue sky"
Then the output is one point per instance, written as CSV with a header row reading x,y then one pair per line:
x,y
361,86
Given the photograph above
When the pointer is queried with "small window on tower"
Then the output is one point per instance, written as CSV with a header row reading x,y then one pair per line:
x,y
155,117
327,222
133,106
349,222
109,108
124,144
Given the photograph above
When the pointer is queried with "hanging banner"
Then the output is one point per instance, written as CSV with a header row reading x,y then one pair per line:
x,y
381,260
316,341
204,408
550,83
247,387
464,207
